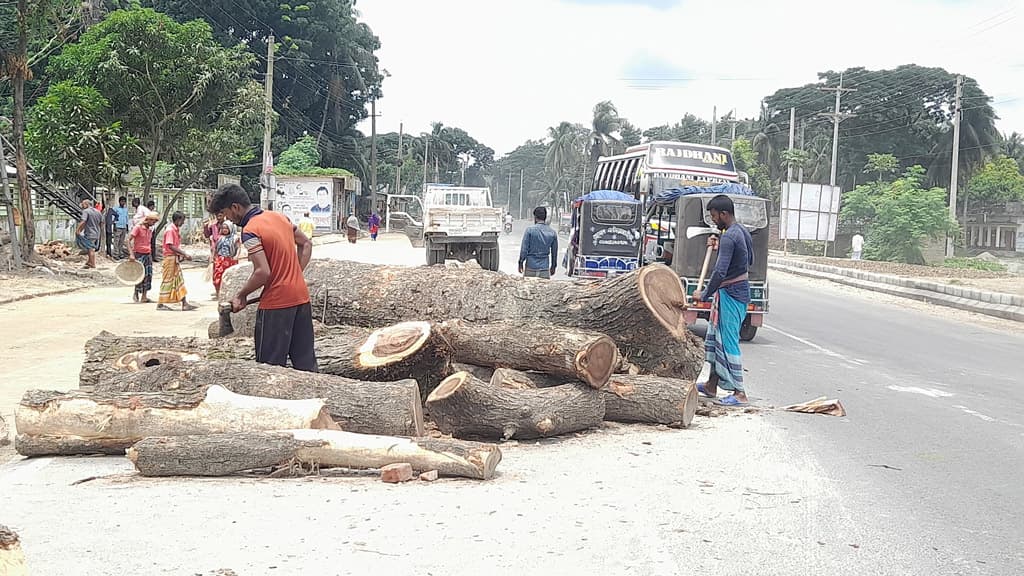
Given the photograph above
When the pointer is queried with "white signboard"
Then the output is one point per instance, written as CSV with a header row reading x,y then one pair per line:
x,y
295,197
809,211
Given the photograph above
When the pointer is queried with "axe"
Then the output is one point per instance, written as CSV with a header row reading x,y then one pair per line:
x,y
224,308
693,232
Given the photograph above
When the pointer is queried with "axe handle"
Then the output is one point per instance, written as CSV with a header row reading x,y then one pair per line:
x,y
703,273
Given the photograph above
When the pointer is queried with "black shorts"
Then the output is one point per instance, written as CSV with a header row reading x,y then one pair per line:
x,y
286,333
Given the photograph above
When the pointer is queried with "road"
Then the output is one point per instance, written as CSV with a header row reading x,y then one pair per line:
x,y
922,477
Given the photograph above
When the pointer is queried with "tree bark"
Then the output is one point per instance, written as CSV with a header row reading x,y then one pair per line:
x,y
519,380
391,408
642,311
55,423
222,454
464,406
651,400
12,559
407,350
573,354
484,373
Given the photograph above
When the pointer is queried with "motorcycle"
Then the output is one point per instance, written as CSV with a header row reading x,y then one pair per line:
x,y
508,228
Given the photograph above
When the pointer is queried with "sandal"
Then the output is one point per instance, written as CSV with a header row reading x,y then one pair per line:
x,y
732,401
703,392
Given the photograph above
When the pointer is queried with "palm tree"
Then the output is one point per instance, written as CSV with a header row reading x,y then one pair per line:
x,y
767,151
1013,147
605,127
566,153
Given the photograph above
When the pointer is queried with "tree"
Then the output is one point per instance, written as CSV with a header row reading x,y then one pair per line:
x,y
746,161
605,126
881,164
630,134
300,156
1013,147
898,216
33,29
169,83
999,181
565,159
72,139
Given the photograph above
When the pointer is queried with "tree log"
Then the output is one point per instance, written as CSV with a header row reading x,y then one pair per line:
x,y
391,408
651,400
12,559
519,380
484,373
642,311
573,354
55,423
464,406
222,454
406,350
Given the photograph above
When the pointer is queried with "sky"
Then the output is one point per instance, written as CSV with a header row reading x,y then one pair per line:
x,y
506,71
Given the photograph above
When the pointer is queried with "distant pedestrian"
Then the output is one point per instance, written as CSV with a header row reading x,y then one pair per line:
x,y
140,249
538,254
858,246
728,290
109,225
374,226
306,225
352,228
121,226
87,235
279,253
227,254
172,284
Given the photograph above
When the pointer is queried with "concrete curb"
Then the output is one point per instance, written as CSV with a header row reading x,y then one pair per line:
x,y
24,297
1005,311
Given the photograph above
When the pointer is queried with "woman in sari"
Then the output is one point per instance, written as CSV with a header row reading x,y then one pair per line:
x,y
226,254
172,285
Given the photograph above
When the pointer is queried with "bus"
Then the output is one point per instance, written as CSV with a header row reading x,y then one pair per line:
x,y
649,168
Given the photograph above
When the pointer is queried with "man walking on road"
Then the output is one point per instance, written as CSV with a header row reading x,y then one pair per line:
x,y
538,254
140,248
87,236
279,252
858,246
172,283
729,292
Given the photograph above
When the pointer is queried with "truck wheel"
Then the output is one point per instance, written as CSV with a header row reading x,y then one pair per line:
x,y
747,332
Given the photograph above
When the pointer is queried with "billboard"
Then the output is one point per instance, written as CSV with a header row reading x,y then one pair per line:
x,y
809,211
297,196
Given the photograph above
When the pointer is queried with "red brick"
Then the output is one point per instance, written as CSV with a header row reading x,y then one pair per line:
x,y
429,476
395,473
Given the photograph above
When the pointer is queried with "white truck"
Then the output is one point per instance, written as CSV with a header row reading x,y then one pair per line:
x,y
460,223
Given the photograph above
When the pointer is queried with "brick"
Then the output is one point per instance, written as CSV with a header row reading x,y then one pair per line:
x,y
429,476
395,473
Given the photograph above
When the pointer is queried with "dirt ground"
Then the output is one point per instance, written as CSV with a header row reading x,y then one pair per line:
x,y
1005,282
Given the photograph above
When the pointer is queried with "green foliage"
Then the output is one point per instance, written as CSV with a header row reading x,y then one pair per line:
x,y
72,140
300,157
881,164
999,181
973,264
899,216
174,88
795,158
745,158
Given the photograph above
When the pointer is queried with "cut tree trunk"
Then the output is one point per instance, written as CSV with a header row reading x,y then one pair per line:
x,y
391,408
12,559
222,454
55,423
484,373
464,406
573,354
406,350
519,380
651,400
643,311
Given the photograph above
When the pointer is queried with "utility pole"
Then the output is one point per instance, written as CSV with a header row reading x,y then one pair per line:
x,y
800,175
5,184
520,193
792,133
268,127
836,117
714,125
373,154
510,192
732,129
426,153
401,160
954,172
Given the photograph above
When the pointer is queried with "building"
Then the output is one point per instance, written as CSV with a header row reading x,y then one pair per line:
x,y
329,199
1002,231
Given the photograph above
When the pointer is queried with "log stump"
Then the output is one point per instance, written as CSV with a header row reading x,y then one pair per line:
x,y
389,408
651,400
569,353
56,423
466,407
223,454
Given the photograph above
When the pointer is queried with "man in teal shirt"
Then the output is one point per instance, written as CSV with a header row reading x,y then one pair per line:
x,y
539,251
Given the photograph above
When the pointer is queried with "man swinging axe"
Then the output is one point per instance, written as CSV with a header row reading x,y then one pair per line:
x,y
729,293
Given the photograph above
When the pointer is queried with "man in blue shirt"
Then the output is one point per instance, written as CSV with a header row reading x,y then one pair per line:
x,y
729,292
539,251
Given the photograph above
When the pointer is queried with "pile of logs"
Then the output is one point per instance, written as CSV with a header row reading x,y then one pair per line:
x,y
470,354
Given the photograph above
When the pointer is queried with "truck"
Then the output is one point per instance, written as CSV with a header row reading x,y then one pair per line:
x,y
460,223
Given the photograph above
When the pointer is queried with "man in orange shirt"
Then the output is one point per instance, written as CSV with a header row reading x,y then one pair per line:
x,y
279,252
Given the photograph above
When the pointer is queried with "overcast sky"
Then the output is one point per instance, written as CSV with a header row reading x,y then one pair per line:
x,y
507,70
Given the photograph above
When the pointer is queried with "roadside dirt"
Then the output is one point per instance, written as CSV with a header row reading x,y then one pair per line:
x,y
1005,282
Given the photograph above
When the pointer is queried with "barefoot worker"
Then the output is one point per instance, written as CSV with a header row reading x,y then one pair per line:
x,y
729,292
279,252
139,248
172,283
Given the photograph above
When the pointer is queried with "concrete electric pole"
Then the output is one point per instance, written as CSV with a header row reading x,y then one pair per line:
x,y
836,117
401,161
373,154
267,182
954,171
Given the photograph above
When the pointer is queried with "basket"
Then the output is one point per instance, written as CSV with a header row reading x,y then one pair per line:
x,y
130,272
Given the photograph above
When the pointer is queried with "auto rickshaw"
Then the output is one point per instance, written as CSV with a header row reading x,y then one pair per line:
x,y
605,237
672,212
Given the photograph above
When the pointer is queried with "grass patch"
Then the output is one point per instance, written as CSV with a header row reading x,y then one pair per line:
x,y
973,264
